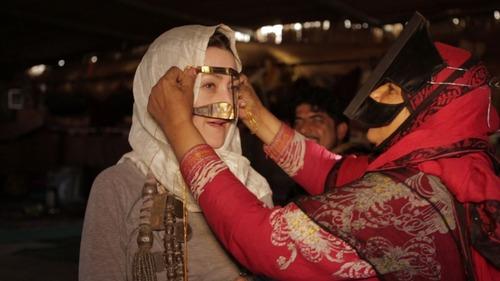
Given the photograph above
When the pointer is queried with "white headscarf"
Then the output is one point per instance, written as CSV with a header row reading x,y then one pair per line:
x,y
182,46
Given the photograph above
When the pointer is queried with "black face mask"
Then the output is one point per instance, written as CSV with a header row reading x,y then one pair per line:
x,y
372,114
410,63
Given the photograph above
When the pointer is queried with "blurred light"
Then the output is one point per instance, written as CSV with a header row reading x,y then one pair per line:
x,y
455,21
61,63
496,14
378,34
365,25
388,27
347,24
297,26
242,37
356,26
93,59
311,24
326,25
394,29
37,70
42,87
398,28
264,31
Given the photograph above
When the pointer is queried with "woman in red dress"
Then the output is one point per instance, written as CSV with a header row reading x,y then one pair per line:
x,y
423,207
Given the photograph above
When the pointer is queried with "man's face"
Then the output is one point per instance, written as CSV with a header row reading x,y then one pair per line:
x,y
316,125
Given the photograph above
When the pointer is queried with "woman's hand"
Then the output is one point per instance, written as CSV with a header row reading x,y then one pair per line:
x,y
254,115
249,104
171,100
171,106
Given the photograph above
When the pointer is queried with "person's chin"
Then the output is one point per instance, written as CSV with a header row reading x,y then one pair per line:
x,y
215,144
216,140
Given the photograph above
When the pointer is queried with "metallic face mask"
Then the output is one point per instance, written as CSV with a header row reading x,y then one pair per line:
x,y
220,110
409,63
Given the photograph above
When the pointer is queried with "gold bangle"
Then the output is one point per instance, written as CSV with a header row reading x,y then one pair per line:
x,y
251,122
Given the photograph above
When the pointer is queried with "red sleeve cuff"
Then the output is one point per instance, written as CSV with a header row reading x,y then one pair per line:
x,y
281,141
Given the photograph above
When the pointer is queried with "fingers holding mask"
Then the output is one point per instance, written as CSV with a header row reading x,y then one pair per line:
x,y
249,104
171,99
247,98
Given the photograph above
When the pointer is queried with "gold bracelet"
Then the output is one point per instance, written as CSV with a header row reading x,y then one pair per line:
x,y
252,123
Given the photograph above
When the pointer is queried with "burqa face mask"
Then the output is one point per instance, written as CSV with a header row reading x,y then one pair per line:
x,y
220,110
410,63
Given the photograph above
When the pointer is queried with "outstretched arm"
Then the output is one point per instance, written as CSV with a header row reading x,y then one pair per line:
x,y
254,115
308,163
282,242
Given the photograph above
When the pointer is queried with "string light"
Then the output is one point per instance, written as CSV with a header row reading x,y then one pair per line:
x,y
326,25
264,31
61,63
347,24
242,37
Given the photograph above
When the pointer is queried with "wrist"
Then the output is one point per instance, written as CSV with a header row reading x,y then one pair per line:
x,y
173,126
182,136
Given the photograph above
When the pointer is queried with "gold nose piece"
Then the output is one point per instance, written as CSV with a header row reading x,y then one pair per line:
x,y
219,110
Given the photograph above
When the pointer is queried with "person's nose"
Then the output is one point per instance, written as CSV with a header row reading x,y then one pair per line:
x,y
303,128
225,94
379,92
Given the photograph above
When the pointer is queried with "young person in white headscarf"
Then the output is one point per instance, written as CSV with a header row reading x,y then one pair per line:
x,y
133,202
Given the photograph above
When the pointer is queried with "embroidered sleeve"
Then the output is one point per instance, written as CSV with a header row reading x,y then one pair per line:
x,y
307,162
287,244
287,150
199,166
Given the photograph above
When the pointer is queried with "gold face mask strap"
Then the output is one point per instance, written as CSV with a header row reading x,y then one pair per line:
x,y
218,70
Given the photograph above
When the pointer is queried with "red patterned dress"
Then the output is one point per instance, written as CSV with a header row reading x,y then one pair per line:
x,y
397,216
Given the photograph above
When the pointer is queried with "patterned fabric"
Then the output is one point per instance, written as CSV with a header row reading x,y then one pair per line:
x,y
287,149
404,229
425,154
447,134
199,166
433,96
293,229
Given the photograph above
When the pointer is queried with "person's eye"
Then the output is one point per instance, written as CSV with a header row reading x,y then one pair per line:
x,y
208,86
318,119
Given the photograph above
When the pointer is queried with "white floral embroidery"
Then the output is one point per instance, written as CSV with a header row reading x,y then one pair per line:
x,y
204,174
439,196
293,156
361,207
367,204
354,270
293,229
402,260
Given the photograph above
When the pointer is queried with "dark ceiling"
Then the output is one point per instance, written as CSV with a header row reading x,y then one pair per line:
x,y
35,31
